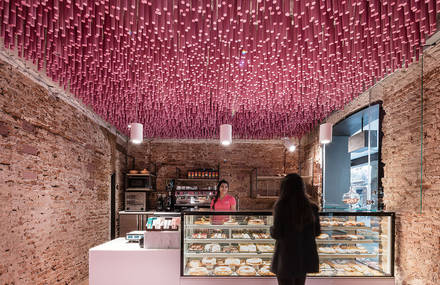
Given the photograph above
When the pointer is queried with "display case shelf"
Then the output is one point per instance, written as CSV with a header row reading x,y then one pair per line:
x,y
229,240
229,254
228,227
339,241
344,229
346,256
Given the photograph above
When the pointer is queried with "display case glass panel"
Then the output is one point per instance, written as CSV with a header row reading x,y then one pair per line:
x,y
239,244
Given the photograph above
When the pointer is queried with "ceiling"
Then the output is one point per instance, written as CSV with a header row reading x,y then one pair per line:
x,y
270,68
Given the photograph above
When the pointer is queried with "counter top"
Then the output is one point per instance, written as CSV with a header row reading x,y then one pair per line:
x,y
150,213
121,244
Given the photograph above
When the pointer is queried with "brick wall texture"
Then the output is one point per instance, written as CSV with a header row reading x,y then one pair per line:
x,y
236,163
55,168
417,228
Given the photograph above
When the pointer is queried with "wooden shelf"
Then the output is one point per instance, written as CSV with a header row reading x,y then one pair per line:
x,y
140,174
270,177
267,197
196,179
140,190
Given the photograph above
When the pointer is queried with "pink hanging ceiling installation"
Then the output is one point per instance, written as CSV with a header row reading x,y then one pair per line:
x,y
270,68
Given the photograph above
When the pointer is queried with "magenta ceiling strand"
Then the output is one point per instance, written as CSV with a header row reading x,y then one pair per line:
x,y
273,68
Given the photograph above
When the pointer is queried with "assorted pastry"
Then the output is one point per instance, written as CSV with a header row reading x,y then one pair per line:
x,y
259,267
218,235
212,247
346,268
247,247
199,235
256,266
348,237
334,222
196,247
261,236
203,221
343,249
228,248
265,247
323,236
265,271
246,270
198,271
229,266
256,222
223,270
241,236
231,221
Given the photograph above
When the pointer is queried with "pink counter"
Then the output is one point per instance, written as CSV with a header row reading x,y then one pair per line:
x,y
120,263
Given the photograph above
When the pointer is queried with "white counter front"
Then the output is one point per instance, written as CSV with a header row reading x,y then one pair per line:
x,y
118,262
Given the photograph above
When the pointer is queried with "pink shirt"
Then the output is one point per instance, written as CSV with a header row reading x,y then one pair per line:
x,y
224,204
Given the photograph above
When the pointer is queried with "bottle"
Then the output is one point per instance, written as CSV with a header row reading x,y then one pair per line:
x,y
159,203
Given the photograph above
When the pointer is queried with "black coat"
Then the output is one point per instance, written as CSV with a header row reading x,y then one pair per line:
x,y
295,251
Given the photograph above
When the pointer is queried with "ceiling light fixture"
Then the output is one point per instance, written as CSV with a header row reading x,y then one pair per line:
x,y
136,133
325,133
289,144
226,134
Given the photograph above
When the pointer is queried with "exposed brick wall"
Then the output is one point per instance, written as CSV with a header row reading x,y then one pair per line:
x,y
417,234
55,167
236,163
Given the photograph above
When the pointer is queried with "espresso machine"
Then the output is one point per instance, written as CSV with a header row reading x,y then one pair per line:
x,y
193,197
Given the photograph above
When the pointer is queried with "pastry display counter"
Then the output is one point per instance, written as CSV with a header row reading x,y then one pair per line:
x,y
237,244
227,248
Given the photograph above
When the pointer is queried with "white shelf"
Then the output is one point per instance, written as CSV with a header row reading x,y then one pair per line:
x,y
236,240
346,256
229,240
343,228
333,241
227,227
228,254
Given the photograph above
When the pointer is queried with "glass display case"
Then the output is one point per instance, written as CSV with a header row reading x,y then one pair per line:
x,y
239,244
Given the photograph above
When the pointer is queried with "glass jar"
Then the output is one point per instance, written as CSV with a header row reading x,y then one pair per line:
x,y
351,198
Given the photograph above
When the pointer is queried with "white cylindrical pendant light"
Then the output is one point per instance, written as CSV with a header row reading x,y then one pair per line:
x,y
325,133
136,133
226,134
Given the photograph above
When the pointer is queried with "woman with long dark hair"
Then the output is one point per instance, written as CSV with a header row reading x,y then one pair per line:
x,y
222,201
295,226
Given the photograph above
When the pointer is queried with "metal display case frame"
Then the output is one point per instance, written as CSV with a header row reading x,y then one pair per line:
x,y
391,240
